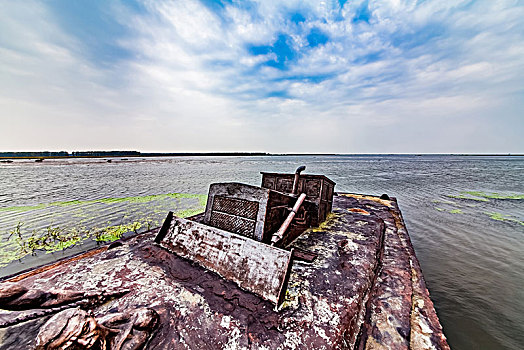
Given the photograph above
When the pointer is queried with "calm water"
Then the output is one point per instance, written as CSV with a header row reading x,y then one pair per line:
x,y
471,250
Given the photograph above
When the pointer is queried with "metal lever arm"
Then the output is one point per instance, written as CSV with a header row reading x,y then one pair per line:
x,y
277,236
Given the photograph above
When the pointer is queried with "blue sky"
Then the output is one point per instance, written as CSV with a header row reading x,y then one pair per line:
x,y
397,76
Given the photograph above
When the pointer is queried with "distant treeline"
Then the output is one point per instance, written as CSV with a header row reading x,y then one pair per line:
x,y
227,154
60,154
102,154
97,154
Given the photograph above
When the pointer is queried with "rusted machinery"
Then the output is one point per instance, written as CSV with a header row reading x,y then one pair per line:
x,y
245,230
249,211
318,189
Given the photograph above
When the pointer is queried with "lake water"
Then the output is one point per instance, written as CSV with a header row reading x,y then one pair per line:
x,y
465,216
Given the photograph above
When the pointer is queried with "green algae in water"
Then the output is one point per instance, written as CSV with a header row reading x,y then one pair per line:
x,y
503,217
50,239
112,233
462,196
439,209
202,199
188,212
496,216
456,211
443,201
54,238
513,196
485,197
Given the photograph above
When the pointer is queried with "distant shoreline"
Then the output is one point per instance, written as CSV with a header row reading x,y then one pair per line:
x,y
51,155
141,155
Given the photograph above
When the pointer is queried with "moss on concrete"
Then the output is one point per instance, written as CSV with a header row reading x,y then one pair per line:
x,y
325,225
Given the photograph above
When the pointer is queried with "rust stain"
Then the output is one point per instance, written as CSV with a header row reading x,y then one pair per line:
x,y
358,210
387,203
56,264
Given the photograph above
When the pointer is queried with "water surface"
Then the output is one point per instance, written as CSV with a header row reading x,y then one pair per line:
x,y
465,216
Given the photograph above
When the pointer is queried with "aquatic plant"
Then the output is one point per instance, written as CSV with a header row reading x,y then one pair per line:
x,y
503,217
16,235
443,201
462,196
112,233
202,199
485,197
513,196
55,238
50,239
456,211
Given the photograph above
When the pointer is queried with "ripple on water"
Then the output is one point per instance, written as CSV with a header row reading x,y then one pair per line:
x,y
473,263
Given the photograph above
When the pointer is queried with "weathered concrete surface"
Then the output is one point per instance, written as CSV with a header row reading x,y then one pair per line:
x,y
399,312
365,290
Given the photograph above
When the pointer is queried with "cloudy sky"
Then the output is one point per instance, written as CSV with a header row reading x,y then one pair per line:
x,y
387,76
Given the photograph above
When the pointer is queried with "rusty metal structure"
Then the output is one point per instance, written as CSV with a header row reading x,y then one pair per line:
x,y
318,188
245,230
249,211
259,269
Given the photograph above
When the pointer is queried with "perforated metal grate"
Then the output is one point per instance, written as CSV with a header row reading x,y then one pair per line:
x,y
234,206
233,223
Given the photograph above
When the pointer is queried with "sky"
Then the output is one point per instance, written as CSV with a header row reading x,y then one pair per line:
x,y
396,76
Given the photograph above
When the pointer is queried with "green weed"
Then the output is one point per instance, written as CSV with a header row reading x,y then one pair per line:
x,y
202,199
503,217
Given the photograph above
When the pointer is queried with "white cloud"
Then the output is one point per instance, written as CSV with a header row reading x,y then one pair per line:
x,y
191,83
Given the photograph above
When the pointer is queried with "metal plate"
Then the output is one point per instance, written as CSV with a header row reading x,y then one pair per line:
x,y
253,266
234,206
232,223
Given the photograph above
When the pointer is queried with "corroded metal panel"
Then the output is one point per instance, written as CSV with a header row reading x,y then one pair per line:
x,y
318,188
253,266
238,208
312,187
235,215
250,211
284,185
234,206
233,223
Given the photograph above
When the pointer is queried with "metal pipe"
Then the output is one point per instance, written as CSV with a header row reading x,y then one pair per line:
x,y
297,176
280,233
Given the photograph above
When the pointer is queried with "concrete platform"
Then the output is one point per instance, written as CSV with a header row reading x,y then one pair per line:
x,y
365,290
